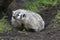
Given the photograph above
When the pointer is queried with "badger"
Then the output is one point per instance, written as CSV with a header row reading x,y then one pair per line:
x,y
31,20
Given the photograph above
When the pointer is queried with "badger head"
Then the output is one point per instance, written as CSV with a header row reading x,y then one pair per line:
x,y
19,15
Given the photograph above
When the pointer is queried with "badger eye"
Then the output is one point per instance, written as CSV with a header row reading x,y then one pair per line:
x,y
24,15
17,14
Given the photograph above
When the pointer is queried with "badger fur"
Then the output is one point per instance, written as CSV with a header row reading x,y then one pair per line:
x,y
31,20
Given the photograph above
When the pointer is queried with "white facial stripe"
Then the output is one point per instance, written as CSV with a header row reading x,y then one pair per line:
x,y
19,14
18,17
13,11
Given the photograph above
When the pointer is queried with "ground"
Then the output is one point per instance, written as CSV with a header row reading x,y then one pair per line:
x,y
51,32
47,34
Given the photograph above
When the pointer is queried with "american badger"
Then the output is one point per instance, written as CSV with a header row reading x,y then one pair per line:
x,y
31,20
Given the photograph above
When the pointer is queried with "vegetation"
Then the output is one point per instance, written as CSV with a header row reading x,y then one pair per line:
x,y
4,26
57,20
32,5
58,16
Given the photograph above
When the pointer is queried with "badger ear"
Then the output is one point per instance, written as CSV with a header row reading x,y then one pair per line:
x,y
13,11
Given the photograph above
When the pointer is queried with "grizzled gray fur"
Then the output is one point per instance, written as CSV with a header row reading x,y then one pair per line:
x,y
31,20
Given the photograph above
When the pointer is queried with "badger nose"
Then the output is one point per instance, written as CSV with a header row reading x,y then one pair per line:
x,y
14,17
21,17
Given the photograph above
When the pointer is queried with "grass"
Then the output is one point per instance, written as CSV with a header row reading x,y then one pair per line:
x,y
58,16
4,26
56,23
33,4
